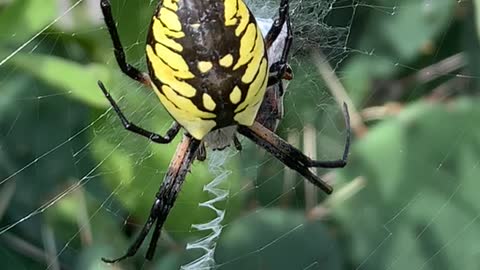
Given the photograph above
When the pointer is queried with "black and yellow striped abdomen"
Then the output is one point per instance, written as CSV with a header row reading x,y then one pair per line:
x,y
207,62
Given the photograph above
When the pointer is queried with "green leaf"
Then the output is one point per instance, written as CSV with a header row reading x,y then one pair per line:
x,y
69,77
397,33
413,24
420,207
24,18
403,30
362,70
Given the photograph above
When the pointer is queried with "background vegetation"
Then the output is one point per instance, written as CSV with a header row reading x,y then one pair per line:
x,y
408,198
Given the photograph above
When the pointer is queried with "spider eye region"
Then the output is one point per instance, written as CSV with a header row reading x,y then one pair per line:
x,y
207,63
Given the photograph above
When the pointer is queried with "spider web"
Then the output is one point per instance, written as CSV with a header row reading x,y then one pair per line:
x,y
74,186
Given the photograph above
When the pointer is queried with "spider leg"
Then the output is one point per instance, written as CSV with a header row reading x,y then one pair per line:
x,y
278,69
237,143
184,156
277,25
165,197
132,250
202,153
171,132
126,68
291,156
155,236
308,162
269,141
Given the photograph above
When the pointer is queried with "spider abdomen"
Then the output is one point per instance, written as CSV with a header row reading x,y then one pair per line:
x,y
207,63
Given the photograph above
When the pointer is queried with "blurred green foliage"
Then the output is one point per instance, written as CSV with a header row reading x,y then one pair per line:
x,y
74,186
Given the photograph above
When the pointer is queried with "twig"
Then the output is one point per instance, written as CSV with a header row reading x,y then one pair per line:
x,y
27,249
51,249
439,69
6,195
394,89
343,194
288,174
83,219
310,149
447,89
380,112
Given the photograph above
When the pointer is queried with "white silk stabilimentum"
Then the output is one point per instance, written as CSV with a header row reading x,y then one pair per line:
x,y
216,165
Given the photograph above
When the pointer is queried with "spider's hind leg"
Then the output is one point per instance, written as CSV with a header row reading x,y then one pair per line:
x,y
307,161
291,156
339,163
165,197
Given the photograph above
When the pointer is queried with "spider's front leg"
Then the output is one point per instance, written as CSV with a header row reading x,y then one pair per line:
x,y
283,16
280,69
171,133
126,68
165,198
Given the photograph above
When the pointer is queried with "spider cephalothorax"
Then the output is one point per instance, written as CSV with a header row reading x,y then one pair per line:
x,y
208,64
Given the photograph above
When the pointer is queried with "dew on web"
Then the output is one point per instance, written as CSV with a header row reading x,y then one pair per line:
x,y
75,187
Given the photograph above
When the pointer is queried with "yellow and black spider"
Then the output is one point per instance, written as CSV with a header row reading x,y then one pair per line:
x,y
207,63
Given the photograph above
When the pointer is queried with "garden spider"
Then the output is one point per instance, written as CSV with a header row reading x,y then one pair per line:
x,y
207,63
